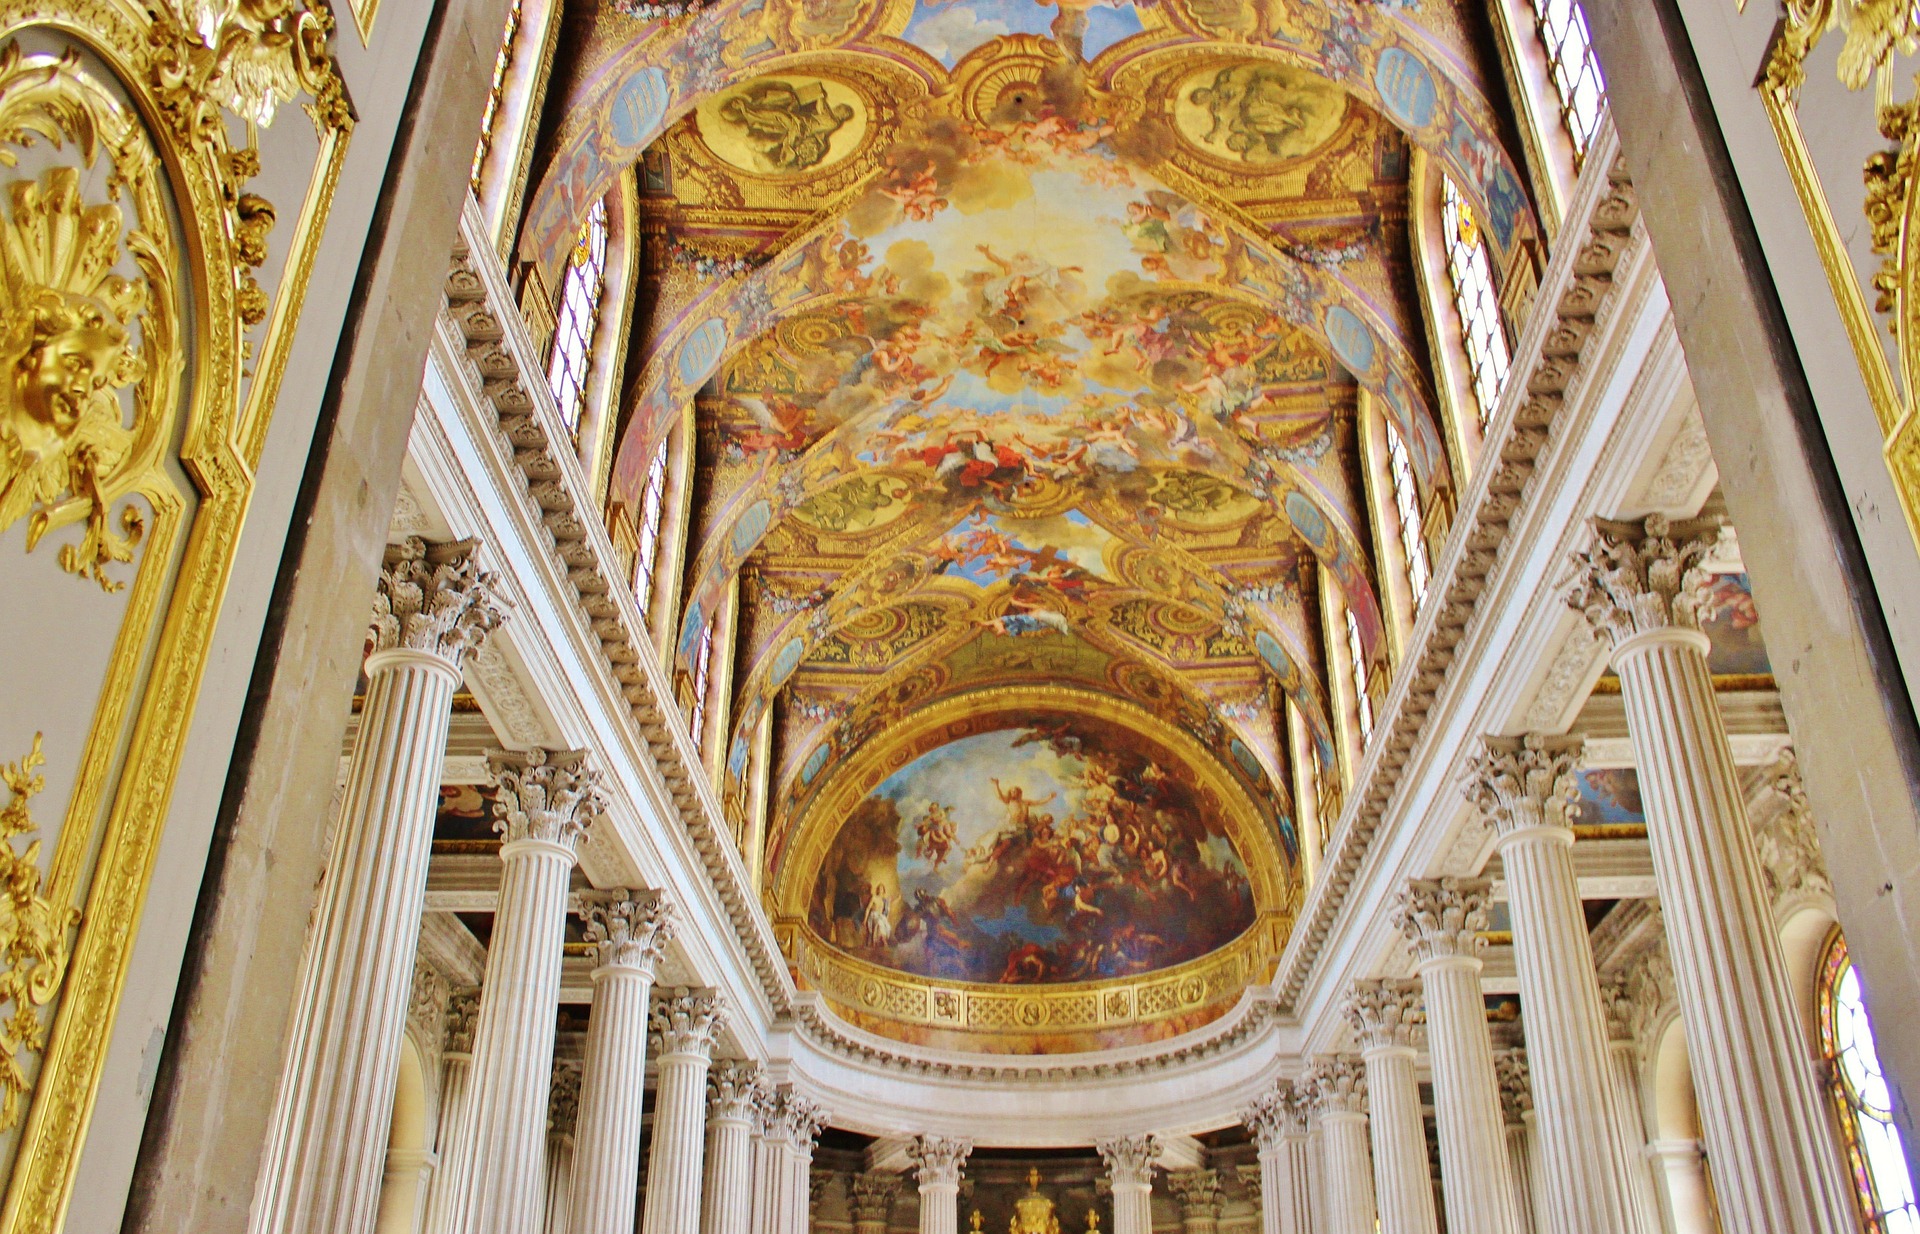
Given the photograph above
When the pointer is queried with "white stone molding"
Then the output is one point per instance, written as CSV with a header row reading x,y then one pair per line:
x,y
938,1162
1336,1086
1763,1117
684,1023
1442,920
1385,1015
507,702
1684,469
1197,1192
1525,786
325,1156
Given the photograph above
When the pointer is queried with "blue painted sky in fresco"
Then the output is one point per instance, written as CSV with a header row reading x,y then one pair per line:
x,y
948,31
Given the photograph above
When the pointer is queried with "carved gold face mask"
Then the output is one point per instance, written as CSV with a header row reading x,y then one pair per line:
x,y
77,352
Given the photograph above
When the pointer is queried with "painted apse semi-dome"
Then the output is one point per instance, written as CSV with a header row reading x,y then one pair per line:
x,y
1028,357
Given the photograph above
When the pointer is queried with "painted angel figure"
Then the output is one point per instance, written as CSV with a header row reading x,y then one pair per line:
x,y
937,832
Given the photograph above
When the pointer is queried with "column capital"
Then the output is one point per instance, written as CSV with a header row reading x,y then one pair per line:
x,y
1279,1112
1442,918
686,1021
938,1159
1784,835
434,598
1640,577
1336,1084
1250,1182
463,1013
563,1096
1634,995
802,1120
628,929
1129,1159
1198,1192
734,1089
1525,782
1385,1013
547,795
1516,1086
873,1196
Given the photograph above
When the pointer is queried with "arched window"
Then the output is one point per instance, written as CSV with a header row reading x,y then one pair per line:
x,y
653,505
579,319
1406,500
1575,71
491,116
702,676
1470,271
1357,661
1881,1184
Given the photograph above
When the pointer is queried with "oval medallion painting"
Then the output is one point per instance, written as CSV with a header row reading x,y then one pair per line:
x,y
1065,849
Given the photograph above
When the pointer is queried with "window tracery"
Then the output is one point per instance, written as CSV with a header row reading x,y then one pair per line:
x,y
1876,1161
1357,663
489,118
652,507
702,677
1470,273
1574,69
579,319
1406,502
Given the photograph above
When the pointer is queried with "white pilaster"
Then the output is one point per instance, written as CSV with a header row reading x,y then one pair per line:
x,y
1337,1086
1524,786
732,1090
1442,921
938,1162
1198,1194
326,1149
454,1142
1762,1115
684,1023
629,931
546,802
1384,1015
1129,1163
1278,1120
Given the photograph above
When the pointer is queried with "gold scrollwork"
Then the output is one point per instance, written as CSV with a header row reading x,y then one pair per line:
x,y
33,936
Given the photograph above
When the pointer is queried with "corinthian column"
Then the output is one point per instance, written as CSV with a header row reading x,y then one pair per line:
x,y
454,1141
1198,1194
802,1120
546,802
684,1023
1632,999
1384,1015
563,1115
1442,922
732,1090
938,1161
1278,1120
1129,1163
1767,1133
628,931
874,1195
1524,785
1516,1106
1337,1088
326,1151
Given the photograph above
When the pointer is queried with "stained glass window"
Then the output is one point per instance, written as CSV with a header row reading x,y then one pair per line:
x,y
580,294
1875,1159
702,676
1406,500
1470,270
652,506
1357,658
488,118
1576,73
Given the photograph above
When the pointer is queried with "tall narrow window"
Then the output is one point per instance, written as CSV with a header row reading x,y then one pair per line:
x,y
1357,657
652,505
488,118
579,318
1576,72
1470,270
702,676
1406,500
1881,1183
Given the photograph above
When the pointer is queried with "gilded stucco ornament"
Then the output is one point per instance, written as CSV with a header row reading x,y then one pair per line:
x,y
33,936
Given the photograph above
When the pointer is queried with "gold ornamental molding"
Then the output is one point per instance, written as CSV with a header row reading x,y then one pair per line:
x,y
146,321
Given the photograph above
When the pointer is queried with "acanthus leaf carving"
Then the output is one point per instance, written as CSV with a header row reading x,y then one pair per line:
x,y
629,929
1521,782
33,936
1633,578
434,598
686,1021
1443,917
1385,1012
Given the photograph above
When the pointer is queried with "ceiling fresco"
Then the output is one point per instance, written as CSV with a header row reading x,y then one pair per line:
x,y
1027,345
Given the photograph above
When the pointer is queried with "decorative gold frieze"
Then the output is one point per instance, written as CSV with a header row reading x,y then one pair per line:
x,y
33,936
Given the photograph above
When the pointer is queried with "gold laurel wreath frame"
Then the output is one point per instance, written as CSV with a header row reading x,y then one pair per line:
x,y
159,657
1044,1009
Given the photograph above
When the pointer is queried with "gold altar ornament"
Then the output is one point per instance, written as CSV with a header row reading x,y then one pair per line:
x,y
1033,1213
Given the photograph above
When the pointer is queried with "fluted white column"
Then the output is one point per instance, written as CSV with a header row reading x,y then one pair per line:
x,y
1626,1016
1129,1161
1337,1086
326,1149
546,802
1516,1107
1278,1120
1524,786
1384,1015
1198,1194
684,1023
874,1195
938,1162
802,1121
563,1113
1442,921
727,1206
628,931
1689,1196
769,1163
454,1139
1775,1157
